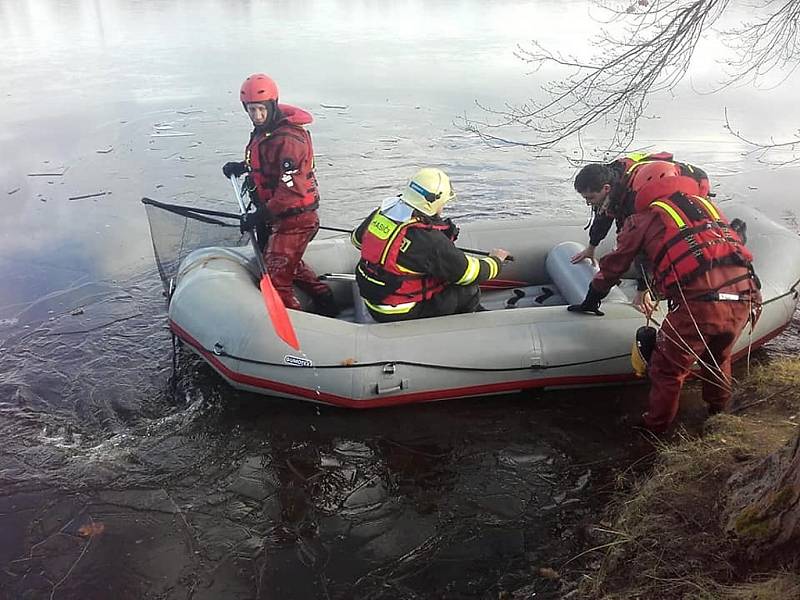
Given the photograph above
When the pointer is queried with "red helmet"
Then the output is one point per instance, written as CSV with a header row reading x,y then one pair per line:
x,y
652,171
258,88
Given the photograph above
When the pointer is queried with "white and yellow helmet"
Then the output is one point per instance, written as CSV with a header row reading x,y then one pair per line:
x,y
428,191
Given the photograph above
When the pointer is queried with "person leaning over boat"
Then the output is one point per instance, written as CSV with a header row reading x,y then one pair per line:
x,y
279,163
410,267
606,188
703,269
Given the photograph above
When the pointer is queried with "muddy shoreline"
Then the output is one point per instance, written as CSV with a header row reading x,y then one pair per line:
x,y
667,533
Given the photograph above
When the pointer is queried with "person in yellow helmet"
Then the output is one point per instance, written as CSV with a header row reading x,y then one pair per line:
x,y
410,267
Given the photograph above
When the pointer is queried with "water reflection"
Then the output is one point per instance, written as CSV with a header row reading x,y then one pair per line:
x,y
229,492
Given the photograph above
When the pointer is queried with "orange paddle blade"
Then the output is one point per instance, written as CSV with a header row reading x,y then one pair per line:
x,y
277,312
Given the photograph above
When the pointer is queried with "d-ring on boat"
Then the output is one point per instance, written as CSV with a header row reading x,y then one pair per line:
x,y
527,339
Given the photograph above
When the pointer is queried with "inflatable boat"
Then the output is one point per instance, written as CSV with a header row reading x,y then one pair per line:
x,y
526,338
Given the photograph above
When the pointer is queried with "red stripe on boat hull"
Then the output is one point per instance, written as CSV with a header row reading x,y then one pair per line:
x,y
416,397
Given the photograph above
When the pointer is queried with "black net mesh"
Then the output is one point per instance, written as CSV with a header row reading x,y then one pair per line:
x,y
178,230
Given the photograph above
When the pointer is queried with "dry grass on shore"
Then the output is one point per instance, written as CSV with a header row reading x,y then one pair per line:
x,y
665,537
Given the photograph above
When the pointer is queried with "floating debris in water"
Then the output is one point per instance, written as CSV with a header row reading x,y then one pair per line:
x,y
175,134
48,174
337,106
190,111
84,196
105,150
14,191
91,529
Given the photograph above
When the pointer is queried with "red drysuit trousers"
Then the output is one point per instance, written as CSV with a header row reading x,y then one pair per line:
x,y
283,257
681,339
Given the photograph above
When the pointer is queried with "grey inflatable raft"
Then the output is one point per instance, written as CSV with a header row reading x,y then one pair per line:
x,y
526,340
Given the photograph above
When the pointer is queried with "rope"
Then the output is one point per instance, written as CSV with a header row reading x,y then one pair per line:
x,y
680,342
420,364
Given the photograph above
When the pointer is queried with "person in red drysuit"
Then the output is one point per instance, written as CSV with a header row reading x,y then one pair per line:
x,y
700,264
279,163
606,188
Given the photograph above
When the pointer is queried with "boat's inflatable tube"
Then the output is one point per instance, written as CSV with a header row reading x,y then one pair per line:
x,y
525,339
572,280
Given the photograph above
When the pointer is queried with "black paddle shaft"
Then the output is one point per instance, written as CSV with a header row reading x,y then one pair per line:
x,y
509,258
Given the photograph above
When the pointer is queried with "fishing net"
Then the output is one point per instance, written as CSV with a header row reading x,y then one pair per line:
x,y
178,230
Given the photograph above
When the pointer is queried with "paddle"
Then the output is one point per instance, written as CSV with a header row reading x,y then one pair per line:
x,y
467,250
275,306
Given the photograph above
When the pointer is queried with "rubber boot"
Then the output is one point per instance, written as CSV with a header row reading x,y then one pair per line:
x,y
325,305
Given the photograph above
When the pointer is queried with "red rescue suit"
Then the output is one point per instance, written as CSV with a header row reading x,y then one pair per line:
x,y
281,164
710,301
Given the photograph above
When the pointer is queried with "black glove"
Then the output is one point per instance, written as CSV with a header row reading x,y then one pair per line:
x,y
249,186
590,304
249,221
740,227
237,169
452,230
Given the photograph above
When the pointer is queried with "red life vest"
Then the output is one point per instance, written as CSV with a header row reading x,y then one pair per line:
x,y
697,235
283,182
381,280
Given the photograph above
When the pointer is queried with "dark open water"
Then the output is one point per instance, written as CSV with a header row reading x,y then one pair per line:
x,y
117,481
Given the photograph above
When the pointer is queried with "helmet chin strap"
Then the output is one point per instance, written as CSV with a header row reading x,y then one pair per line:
x,y
273,116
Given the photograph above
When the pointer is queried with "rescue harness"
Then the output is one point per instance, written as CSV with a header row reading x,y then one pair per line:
x,y
697,238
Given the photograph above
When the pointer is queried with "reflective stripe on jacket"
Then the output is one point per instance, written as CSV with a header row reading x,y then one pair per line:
x,y
697,236
403,263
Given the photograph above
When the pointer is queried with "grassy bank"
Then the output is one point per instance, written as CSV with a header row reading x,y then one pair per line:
x,y
663,537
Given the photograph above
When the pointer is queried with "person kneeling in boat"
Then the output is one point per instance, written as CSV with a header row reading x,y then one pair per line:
x,y
702,267
410,268
607,189
279,163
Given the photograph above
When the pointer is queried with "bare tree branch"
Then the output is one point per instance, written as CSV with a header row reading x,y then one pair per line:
x,y
643,50
766,45
761,150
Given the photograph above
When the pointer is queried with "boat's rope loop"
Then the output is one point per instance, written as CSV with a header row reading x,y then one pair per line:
x,y
220,352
